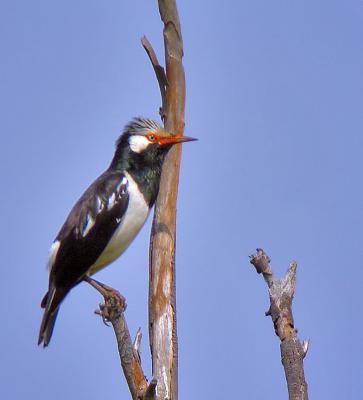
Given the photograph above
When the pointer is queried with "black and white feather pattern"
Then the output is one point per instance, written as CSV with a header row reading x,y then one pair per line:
x,y
106,218
89,227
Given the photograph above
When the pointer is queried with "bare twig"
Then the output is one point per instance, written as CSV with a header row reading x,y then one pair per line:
x,y
162,297
281,293
160,75
112,310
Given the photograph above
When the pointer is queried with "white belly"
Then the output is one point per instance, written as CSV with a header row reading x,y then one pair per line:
x,y
129,227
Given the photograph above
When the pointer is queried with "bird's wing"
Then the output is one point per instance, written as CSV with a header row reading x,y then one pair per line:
x,y
88,228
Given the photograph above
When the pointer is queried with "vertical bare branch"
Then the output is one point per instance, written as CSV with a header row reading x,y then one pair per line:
x,y
281,294
162,297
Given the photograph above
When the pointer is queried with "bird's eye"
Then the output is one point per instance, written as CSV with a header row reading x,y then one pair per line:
x,y
151,138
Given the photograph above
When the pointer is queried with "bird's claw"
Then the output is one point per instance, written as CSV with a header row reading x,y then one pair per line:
x,y
112,307
102,314
114,303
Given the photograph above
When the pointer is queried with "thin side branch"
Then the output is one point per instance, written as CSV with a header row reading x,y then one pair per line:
x,y
112,310
162,293
281,294
160,75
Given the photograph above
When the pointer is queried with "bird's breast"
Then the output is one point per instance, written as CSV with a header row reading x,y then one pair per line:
x,y
129,226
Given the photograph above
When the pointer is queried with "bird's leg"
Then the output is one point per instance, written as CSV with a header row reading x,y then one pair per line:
x,y
105,290
114,303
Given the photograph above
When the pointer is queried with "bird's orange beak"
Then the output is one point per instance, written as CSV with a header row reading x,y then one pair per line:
x,y
163,141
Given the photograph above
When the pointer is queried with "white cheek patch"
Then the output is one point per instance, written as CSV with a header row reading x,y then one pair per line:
x,y
138,143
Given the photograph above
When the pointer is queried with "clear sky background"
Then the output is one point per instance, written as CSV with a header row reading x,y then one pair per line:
x,y
274,94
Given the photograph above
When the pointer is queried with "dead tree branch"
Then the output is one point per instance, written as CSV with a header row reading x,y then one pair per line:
x,y
160,75
162,293
112,310
281,294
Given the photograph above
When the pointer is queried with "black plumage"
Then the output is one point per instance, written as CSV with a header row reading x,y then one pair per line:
x,y
77,251
109,214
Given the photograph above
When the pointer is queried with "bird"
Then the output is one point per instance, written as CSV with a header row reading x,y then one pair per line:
x,y
108,215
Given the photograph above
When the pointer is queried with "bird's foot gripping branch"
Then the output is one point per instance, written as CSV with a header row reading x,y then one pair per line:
x,y
114,303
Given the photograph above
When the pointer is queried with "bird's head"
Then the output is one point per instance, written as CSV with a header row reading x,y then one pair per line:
x,y
145,135
146,139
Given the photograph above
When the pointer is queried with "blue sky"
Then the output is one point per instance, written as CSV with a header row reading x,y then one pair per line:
x,y
274,94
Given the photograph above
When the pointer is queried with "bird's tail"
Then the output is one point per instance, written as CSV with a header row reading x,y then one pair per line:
x,y
50,303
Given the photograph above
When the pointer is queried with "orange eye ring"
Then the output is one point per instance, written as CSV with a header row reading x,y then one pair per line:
x,y
152,138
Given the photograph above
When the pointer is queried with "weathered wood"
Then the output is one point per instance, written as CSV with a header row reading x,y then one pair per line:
x,y
281,294
112,310
162,297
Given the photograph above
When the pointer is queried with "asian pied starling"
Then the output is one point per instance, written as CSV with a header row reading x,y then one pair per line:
x,y
109,214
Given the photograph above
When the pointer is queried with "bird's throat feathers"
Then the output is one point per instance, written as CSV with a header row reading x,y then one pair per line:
x,y
145,167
